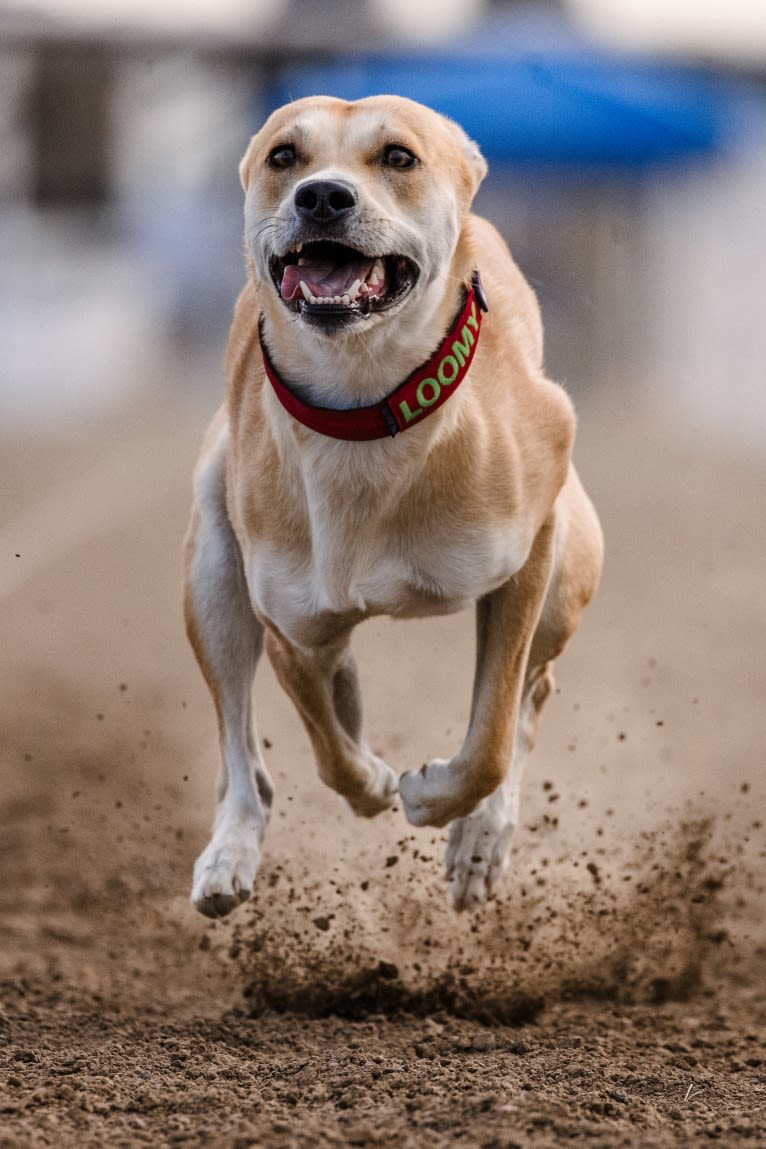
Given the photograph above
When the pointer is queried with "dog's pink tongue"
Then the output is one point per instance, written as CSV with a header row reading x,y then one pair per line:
x,y
323,279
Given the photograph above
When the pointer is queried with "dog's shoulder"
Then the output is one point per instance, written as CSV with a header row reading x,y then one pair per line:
x,y
242,352
250,431
510,295
528,417
512,339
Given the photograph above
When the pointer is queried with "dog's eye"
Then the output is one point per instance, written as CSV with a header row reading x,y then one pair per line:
x,y
282,156
396,156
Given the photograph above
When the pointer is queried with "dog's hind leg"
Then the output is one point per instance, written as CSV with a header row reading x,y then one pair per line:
x,y
520,627
324,687
506,621
227,640
479,846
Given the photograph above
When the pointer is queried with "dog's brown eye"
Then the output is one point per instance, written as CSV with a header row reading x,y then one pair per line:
x,y
399,157
282,156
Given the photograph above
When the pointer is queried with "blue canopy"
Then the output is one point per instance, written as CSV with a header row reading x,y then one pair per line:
x,y
532,98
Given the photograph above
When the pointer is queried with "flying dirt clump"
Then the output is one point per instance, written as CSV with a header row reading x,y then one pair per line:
x,y
638,926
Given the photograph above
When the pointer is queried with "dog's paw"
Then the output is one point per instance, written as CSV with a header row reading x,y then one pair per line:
x,y
380,790
435,795
224,873
477,854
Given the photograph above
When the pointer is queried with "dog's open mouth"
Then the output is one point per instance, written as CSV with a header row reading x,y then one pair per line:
x,y
327,278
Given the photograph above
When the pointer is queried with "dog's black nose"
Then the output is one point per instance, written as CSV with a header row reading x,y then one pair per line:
x,y
325,200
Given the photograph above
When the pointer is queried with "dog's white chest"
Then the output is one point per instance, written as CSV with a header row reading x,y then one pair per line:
x,y
375,573
440,573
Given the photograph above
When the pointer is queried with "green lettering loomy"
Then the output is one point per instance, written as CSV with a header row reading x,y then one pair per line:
x,y
461,350
409,415
441,374
423,399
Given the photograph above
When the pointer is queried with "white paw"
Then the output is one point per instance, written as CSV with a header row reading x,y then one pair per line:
x,y
380,790
477,853
435,795
224,872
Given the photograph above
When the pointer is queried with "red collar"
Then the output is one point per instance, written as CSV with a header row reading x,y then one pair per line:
x,y
421,393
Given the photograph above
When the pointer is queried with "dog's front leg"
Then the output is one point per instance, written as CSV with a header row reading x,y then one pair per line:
x,y
505,621
227,639
324,687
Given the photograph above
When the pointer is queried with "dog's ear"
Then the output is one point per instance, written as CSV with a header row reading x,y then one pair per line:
x,y
244,166
475,163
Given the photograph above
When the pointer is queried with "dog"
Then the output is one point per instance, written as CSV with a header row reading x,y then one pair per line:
x,y
390,445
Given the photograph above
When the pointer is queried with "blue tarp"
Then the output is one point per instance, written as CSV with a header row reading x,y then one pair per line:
x,y
532,99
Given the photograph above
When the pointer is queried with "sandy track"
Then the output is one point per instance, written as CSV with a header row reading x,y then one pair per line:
x,y
624,959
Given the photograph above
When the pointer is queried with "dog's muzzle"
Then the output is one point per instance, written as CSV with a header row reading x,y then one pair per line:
x,y
325,279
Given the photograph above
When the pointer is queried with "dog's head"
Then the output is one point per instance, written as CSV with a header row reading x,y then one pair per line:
x,y
353,210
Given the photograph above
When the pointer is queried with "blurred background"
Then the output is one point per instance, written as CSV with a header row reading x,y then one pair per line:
x,y
627,149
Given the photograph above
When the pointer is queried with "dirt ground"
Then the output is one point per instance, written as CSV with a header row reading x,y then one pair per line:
x,y
614,992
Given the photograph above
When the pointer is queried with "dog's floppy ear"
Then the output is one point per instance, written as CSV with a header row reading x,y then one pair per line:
x,y
476,165
244,166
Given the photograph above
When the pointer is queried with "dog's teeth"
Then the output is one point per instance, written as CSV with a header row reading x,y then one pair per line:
x,y
353,291
298,247
346,300
306,293
302,261
377,272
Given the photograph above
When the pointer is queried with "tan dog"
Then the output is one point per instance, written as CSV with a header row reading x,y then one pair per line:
x,y
361,253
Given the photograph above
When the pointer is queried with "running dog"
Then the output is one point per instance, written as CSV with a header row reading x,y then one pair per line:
x,y
390,445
